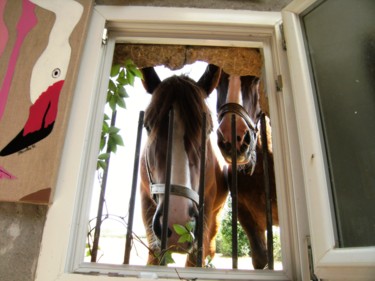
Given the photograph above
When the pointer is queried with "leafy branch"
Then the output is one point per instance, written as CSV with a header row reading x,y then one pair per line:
x,y
110,138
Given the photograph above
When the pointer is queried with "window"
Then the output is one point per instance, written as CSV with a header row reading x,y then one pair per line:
x,y
65,231
330,261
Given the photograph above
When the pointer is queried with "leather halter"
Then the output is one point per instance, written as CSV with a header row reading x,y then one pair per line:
x,y
176,189
239,110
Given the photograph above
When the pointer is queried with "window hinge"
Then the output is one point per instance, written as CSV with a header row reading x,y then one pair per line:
x,y
105,36
311,262
283,41
279,83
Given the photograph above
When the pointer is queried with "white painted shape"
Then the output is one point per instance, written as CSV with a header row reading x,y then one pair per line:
x,y
52,65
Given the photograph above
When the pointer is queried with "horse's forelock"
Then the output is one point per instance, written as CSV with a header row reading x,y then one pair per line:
x,y
183,94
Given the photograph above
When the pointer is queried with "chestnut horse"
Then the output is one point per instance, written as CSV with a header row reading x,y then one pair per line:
x,y
187,98
240,95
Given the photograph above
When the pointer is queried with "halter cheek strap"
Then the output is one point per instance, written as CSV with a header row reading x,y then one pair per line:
x,y
179,190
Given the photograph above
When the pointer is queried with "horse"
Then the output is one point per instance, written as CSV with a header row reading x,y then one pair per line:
x,y
239,95
187,98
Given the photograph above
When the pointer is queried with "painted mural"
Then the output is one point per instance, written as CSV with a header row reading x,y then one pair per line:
x,y
40,43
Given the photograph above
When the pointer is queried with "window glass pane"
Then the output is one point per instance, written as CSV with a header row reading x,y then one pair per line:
x,y
340,35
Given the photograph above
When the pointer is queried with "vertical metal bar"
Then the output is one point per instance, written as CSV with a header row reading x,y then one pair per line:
x,y
202,178
234,195
164,234
129,236
267,191
95,245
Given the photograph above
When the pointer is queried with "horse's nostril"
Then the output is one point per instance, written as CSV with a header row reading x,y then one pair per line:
x,y
247,138
156,224
228,146
238,138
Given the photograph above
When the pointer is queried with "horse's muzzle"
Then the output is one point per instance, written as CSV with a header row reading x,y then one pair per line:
x,y
173,237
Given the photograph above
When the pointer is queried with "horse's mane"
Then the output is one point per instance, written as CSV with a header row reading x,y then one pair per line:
x,y
250,85
186,97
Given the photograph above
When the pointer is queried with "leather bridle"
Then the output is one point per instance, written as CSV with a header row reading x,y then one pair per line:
x,y
239,110
176,189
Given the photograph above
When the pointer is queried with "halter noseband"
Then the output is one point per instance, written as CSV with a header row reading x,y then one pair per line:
x,y
239,110
176,189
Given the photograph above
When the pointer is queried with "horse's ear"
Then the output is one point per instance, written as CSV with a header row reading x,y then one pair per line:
x,y
210,78
150,79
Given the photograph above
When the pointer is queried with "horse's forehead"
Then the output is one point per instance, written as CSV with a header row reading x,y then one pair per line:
x,y
234,93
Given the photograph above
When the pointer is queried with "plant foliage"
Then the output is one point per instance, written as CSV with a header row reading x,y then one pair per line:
x,y
224,239
121,76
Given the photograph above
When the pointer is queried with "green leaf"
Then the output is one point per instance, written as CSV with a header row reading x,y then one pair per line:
x,y
112,86
123,81
111,145
185,238
105,127
122,73
168,257
115,70
130,78
102,142
104,156
101,165
106,117
122,92
136,72
113,130
112,103
180,229
117,139
121,102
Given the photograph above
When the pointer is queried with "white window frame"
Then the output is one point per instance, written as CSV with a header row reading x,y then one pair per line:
x,y
330,263
64,229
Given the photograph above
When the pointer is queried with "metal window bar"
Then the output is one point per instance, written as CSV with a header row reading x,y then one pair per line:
x,y
164,234
202,179
95,246
129,235
267,192
234,195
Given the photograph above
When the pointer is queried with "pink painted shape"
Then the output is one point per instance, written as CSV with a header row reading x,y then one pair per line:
x,y
4,174
3,28
40,112
27,21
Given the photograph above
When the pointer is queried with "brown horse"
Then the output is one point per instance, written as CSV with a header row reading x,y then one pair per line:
x,y
187,98
240,95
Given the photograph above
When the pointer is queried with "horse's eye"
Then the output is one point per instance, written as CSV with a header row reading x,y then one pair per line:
x,y
148,129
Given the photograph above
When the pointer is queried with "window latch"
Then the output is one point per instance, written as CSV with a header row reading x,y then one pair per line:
x,y
105,36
